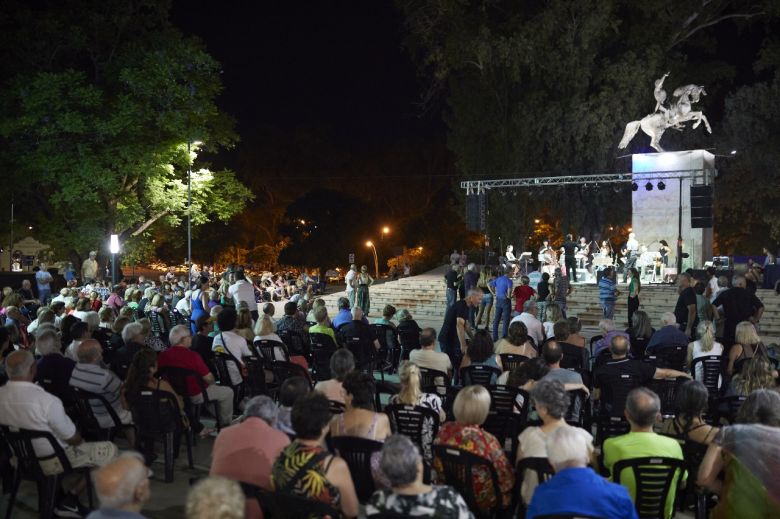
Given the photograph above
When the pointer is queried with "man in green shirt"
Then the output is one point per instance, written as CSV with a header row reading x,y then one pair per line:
x,y
643,408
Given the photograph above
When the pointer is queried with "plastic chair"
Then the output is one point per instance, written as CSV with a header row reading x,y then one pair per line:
x,y
157,418
295,342
282,505
510,361
270,350
709,366
384,388
284,370
255,382
728,407
87,420
610,426
577,413
653,477
322,349
409,340
458,467
666,389
158,325
671,356
479,374
420,424
221,362
615,392
390,349
574,357
542,468
357,453
177,378
29,468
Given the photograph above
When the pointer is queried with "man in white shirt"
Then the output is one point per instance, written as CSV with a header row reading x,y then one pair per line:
x,y
427,356
242,290
230,343
531,322
89,269
43,280
348,280
25,405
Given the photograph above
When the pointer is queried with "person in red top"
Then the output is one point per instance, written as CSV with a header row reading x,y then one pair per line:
x,y
247,451
471,408
522,293
180,356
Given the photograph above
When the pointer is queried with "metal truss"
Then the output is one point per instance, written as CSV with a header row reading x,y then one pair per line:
x,y
477,187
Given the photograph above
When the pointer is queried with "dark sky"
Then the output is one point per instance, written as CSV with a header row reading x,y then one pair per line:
x,y
335,66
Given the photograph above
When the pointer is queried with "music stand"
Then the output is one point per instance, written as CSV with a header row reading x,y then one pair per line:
x,y
525,258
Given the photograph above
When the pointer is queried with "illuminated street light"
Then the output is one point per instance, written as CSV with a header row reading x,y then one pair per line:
x,y
376,258
537,220
113,248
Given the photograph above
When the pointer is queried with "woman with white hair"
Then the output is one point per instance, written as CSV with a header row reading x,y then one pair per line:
x,y
402,464
746,344
576,490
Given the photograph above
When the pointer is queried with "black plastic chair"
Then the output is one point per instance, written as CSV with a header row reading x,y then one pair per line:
x,y
609,427
409,340
221,363
322,349
592,343
574,357
384,388
158,325
726,408
157,418
255,382
28,467
295,342
89,425
430,378
577,414
284,370
357,453
666,389
271,350
479,374
510,361
654,477
542,468
458,468
390,349
709,368
614,393
177,378
671,356
420,424
280,505
364,352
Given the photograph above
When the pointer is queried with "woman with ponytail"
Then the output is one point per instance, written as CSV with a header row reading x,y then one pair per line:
x,y
411,393
704,346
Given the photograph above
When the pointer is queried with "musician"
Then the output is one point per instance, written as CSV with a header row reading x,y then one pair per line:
x,y
632,249
664,250
546,254
605,249
511,259
569,249
583,252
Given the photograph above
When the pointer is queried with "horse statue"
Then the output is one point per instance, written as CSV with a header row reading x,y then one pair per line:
x,y
674,116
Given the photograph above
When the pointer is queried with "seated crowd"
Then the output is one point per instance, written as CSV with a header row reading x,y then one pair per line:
x,y
542,424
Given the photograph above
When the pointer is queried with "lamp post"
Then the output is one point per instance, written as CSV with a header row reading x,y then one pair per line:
x,y
189,204
385,230
376,258
114,249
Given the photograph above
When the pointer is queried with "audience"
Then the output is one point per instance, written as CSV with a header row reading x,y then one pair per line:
x,y
122,487
746,344
516,342
323,323
574,337
215,498
134,340
704,346
291,390
691,401
471,408
54,369
480,353
231,344
525,376
306,459
342,362
402,464
643,410
756,373
533,325
640,333
608,332
553,314
668,335
411,392
552,355
576,490
428,357
246,451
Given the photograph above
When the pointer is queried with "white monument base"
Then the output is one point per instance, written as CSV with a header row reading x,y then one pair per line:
x,y
656,213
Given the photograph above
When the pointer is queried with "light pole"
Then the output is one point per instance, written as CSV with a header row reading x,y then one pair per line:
x,y
113,247
189,204
376,258
385,230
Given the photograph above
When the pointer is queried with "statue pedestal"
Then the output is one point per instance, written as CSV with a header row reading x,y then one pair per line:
x,y
655,213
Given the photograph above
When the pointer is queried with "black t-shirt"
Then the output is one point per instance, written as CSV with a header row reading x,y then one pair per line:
x,y
569,248
451,278
687,297
617,377
449,332
543,289
738,305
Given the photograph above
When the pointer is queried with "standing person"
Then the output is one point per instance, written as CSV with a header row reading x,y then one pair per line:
x,y
456,328
199,301
502,287
738,305
454,257
364,280
634,288
451,282
632,250
685,309
243,291
43,279
487,296
664,251
569,251
543,295
349,279
561,290
470,279
522,293
608,293
89,268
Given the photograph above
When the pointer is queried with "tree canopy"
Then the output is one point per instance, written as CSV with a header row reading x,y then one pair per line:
x,y
98,104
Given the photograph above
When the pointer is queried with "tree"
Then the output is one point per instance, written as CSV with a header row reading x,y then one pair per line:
x,y
101,101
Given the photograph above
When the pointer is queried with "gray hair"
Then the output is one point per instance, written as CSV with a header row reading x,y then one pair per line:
x,y
643,406
45,327
471,266
88,352
357,311
213,497
606,325
723,281
399,460
738,281
124,490
568,447
341,363
93,320
668,318
178,333
552,395
130,331
475,292
22,368
47,342
262,407
528,305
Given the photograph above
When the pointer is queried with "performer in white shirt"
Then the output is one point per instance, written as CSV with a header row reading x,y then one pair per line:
x,y
632,250
348,280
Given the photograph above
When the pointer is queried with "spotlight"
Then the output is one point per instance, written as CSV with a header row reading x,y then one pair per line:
x,y
661,186
634,187
649,186
733,152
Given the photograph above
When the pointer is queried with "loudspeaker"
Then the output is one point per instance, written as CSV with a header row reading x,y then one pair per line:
x,y
476,212
701,207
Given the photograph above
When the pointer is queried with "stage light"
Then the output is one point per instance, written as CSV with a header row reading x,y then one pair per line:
x,y
661,186
649,186
634,187
733,152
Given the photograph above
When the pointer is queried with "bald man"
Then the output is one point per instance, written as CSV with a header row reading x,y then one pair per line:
x,y
90,375
26,405
122,487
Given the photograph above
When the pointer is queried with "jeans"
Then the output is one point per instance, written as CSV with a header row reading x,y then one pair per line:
x,y
542,306
452,296
503,309
484,309
43,295
608,307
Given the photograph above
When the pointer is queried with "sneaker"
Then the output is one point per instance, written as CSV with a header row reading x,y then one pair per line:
x,y
69,506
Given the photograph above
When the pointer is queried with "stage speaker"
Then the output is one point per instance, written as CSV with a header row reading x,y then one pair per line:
x,y
701,207
476,212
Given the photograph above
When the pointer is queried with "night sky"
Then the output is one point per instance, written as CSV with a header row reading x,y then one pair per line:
x,y
335,68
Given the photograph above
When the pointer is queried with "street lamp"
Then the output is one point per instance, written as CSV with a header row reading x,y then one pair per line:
x,y
113,247
189,199
376,258
385,230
